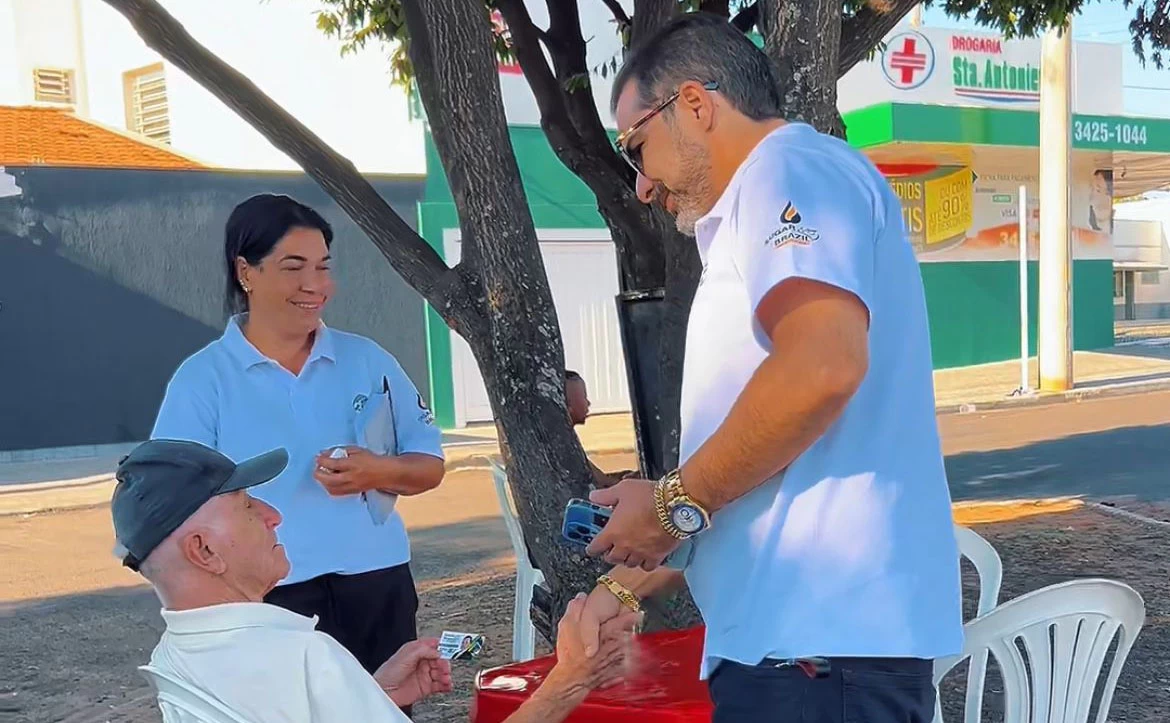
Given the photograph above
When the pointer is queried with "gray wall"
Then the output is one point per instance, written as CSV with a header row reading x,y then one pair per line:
x,y
110,278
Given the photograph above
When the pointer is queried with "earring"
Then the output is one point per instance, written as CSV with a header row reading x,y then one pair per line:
x,y
246,289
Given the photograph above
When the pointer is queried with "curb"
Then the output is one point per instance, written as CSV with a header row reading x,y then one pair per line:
x,y
1051,398
62,484
1127,515
481,460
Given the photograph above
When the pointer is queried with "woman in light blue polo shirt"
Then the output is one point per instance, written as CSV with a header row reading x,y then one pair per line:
x,y
278,377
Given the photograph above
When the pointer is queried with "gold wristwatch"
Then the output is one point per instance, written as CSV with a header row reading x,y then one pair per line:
x,y
679,513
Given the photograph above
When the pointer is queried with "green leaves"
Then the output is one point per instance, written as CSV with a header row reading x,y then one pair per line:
x,y
358,22
1150,26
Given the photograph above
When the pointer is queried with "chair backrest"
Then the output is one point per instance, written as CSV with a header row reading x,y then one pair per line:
x,y
990,569
1051,646
177,696
508,511
987,563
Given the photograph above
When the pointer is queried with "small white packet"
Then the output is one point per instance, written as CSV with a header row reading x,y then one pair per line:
x,y
460,646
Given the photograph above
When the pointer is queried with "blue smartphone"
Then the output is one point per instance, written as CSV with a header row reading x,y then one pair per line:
x,y
584,521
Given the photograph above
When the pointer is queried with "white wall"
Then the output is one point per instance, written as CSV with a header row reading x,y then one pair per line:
x,y
348,102
1143,234
9,72
37,34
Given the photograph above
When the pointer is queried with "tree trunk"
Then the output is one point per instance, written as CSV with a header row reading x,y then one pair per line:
x,y
802,39
518,348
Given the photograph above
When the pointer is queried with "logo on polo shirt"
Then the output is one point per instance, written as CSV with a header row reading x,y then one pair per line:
x,y
426,417
791,232
359,402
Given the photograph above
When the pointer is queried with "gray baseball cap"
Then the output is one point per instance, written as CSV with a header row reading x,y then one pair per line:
x,y
161,483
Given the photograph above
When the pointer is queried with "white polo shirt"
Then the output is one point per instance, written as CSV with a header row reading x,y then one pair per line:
x,y
231,397
269,665
850,551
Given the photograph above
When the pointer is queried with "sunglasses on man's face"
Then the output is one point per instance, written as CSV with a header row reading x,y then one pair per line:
x,y
633,156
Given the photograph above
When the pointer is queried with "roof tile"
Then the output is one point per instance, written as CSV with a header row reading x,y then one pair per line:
x,y
41,136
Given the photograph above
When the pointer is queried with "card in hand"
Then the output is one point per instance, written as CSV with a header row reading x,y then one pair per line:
x,y
460,646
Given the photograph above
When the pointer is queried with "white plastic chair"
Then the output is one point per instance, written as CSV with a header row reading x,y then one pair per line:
x,y
1066,631
179,701
989,567
987,563
523,632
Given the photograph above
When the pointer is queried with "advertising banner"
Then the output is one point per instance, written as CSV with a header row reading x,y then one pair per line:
x,y
955,213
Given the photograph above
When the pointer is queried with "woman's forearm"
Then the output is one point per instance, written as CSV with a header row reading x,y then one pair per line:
x,y
410,474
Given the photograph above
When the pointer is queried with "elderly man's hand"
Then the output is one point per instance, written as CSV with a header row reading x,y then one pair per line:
x,y
576,673
414,672
633,536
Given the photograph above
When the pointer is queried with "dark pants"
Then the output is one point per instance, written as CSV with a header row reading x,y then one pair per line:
x,y
371,614
856,690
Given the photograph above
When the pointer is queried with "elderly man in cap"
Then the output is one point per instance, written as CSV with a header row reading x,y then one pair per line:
x,y
184,519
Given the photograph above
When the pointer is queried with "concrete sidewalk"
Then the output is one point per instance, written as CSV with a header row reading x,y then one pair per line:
x,y
72,478
1131,367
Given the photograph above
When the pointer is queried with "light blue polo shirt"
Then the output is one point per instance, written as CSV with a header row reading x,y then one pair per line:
x,y
231,397
851,550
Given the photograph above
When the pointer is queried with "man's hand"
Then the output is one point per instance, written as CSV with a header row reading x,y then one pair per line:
x,y
414,672
601,607
577,672
360,471
633,536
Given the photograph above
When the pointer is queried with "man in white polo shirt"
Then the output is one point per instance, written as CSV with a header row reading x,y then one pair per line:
x,y
811,481
183,517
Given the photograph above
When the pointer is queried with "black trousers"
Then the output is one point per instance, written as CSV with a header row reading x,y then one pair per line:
x,y
856,690
371,614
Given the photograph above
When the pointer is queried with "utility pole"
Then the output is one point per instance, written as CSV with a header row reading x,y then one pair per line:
x,y
1054,338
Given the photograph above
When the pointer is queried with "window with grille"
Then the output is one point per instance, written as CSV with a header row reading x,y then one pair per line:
x,y
147,109
53,85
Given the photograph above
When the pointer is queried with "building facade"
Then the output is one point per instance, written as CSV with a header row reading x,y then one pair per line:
x,y
84,56
118,174
1141,275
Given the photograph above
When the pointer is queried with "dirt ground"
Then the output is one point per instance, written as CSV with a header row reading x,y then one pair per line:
x,y
73,625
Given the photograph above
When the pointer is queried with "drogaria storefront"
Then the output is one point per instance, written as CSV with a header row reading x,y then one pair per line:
x,y
952,119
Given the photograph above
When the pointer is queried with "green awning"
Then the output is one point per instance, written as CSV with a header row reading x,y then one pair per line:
x,y
915,123
1139,145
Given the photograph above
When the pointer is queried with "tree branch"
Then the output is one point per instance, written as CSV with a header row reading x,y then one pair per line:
x,y
526,47
409,254
649,15
619,13
716,7
861,32
572,70
747,18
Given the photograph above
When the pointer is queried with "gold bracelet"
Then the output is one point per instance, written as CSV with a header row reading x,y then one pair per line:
x,y
664,514
621,592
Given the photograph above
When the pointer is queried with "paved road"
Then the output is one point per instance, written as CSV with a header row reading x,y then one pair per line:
x,y
1116,446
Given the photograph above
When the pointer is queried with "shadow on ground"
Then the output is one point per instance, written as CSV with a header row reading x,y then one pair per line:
x,y
77,652
451,551
1130,461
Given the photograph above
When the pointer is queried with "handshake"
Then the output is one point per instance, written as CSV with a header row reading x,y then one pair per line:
x,y
593,644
